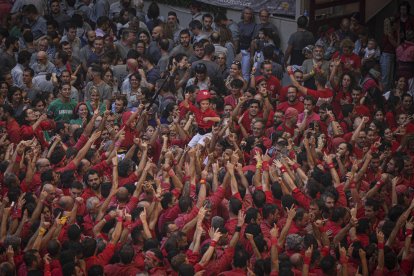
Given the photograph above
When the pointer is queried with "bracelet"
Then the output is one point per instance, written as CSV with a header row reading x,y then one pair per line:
x,y
352,185
307,260
283,169
331,165
408,232
265,166
274,241
107,218
213,243
202,181
380,245
175,162
259,165
186,178
42,231
237,229
119,219
295,167
117,144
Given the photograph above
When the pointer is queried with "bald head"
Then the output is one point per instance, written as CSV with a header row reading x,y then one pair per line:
x,y
66,203
42,165
157,33
132,64
122,194
296,260
49,188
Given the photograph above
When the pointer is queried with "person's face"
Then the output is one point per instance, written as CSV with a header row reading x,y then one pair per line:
x,y
314,210
95,96
27,78
227,110
83,111
329,203
346,50
91,36
94,181
134,82
407,102
362,139
185,40
44,165
388,134
346,81
40,106
235,91
355,96
258,129
140,47
371,136
401,119
17,96
132,37
342,150
71,34
408,167
207,22
65,77
47,214
119,106
234,70
43,45
318,53
68,49
8,78
74,193
199,52
55,7
401,83
379,116
150,131
247,15
41,59
323,114
221,60
98,45
156,34
108,77
143,37
371,45
298,76
307,104
277,118
204,104
375,163
65,91
390,166
254,109
172,21
264,16
291,94
267,70
201,76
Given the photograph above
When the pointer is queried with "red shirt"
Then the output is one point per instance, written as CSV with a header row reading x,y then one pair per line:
x,y
273,86
352,59
324,95
13,131
231,100
298,106
121,269
199,115
28,132
103,258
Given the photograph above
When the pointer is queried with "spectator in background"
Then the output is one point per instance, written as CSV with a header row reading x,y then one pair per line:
x,y
297,41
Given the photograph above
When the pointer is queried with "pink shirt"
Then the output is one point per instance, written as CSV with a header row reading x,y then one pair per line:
x,y
311,118
405,52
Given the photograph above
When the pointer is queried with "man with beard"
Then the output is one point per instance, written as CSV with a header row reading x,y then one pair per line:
x,y
207,24
184,47
29,87
174,27
272,83
316,65
73,61
93,185
87,50
43,65
153,48
152,73
198,52
71,37
292,101
291,118
95,77
298,75
8,58
98,51
359,138
57,15
277,120
308,114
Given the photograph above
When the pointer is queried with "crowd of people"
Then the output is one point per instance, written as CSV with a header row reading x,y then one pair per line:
x,y
133,144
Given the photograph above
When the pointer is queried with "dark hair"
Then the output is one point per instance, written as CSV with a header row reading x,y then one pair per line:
x,y
195,24
302,22
153,11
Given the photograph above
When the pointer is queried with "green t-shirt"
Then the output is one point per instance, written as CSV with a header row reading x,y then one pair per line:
x,y
62,111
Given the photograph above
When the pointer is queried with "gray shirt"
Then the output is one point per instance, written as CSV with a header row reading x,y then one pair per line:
x,y
105,91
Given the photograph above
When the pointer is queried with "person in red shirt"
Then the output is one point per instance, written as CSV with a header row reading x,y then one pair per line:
x,y
321,94
236,87
12,127
351,61
126,267
272,83
292,101
291,118
205,117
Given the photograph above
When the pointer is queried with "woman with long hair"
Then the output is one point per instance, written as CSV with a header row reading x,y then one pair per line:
x,y
81,115
32,126
15,99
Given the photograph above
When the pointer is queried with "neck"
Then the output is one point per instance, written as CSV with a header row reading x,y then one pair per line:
x,y
64,99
